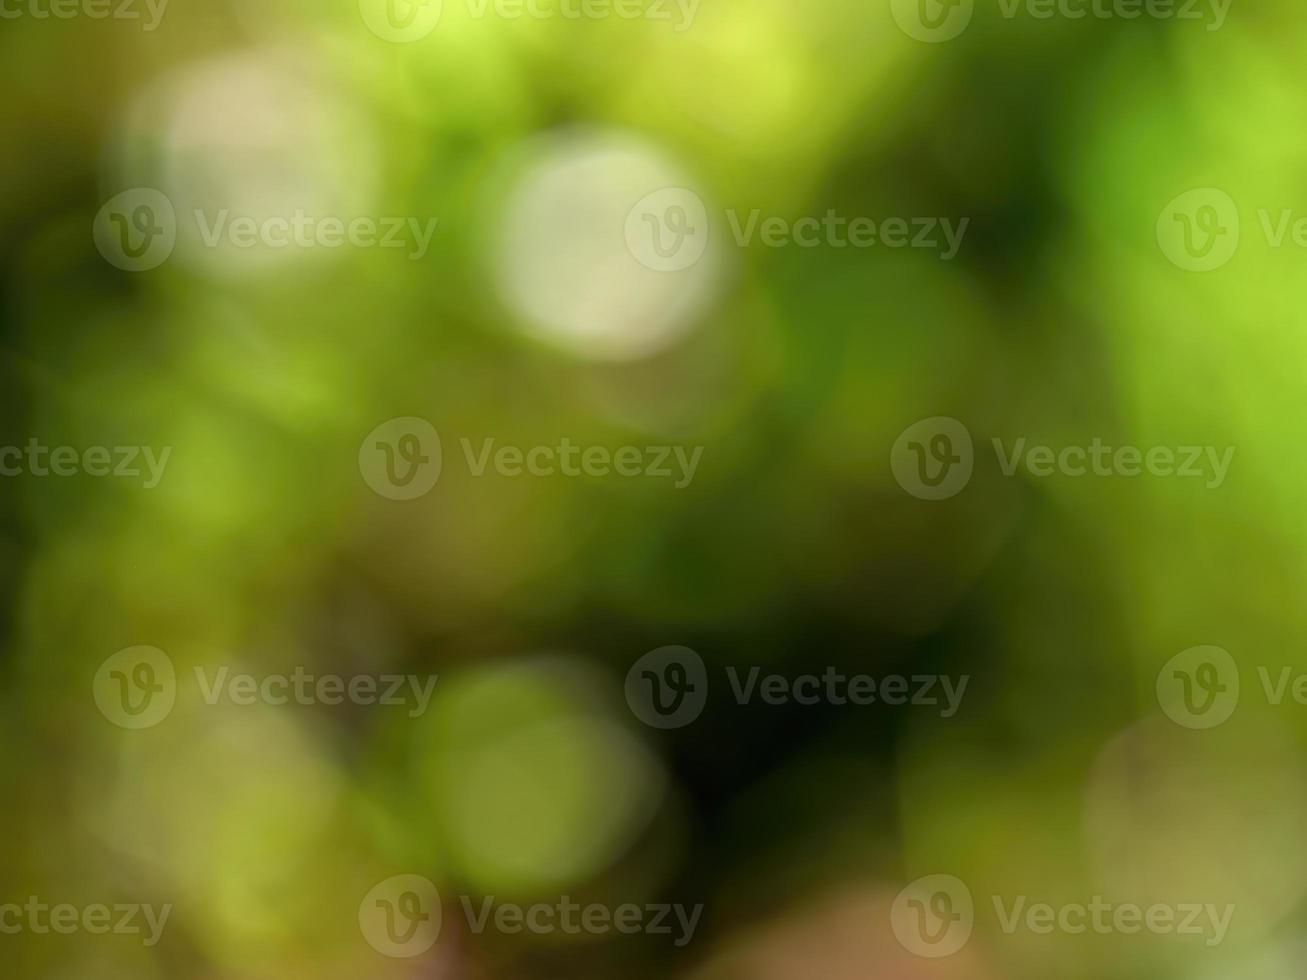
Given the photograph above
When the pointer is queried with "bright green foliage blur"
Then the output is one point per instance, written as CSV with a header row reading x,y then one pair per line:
x,y
1060,321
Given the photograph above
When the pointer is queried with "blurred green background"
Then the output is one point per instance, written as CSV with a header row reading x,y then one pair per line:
x,y
795,370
